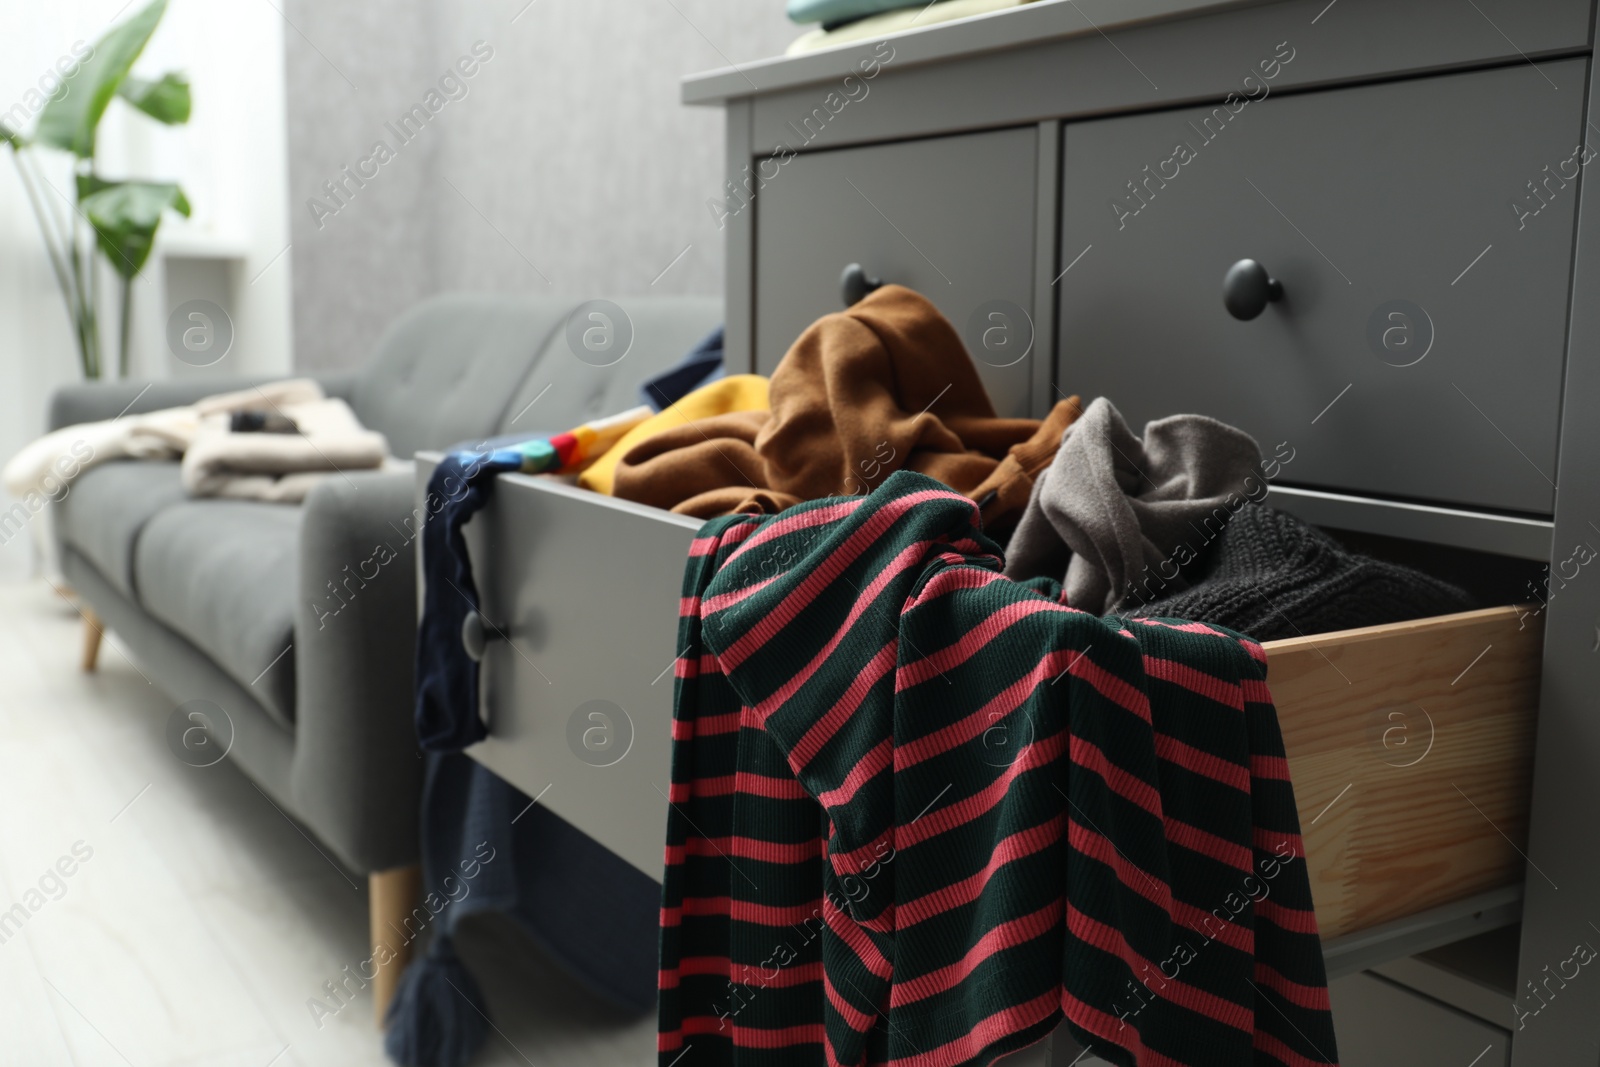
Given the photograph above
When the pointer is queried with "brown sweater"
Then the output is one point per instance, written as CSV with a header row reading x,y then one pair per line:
x,y
883,386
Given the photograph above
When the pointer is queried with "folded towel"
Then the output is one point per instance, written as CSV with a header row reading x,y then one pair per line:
x,y
833,11
871,27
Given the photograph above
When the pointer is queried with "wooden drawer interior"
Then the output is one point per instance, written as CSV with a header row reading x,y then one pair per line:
x,y
1411,750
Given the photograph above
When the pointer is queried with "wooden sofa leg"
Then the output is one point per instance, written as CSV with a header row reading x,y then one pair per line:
x,y
392,895
93,630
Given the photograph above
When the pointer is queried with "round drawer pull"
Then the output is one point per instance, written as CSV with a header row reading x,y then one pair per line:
x,y
854,284
476,633
1248,289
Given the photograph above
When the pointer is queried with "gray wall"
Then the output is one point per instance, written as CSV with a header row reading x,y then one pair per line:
x,y
568,166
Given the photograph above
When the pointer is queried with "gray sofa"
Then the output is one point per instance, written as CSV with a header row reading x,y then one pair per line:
x,y
282,614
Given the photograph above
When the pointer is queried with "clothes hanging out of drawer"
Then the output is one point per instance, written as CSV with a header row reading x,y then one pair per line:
x,y
883,386
583,904
865,865
447,682
488,847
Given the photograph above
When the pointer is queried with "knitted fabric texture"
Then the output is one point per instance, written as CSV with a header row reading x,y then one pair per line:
x,y
921,811
1270,575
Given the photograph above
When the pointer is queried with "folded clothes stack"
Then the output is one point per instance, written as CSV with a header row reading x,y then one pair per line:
x,y
843,21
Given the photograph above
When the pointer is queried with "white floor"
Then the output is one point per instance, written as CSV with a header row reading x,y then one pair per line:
x,y
203,920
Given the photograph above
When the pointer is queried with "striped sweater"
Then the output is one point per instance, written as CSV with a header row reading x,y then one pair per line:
x,y
920,812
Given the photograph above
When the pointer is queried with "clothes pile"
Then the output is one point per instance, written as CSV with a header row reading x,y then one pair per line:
x,y
1125,523
588,909
971,734
883,386
859,870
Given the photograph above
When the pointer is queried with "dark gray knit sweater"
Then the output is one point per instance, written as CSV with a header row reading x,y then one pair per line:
x,y
1270,576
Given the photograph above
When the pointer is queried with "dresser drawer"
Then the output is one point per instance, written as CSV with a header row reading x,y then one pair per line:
x,y
952,217
577,694
1381,725
1417,349
1380,1024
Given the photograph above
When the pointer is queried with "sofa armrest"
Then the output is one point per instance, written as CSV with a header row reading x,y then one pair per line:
x,y
357,777
96,401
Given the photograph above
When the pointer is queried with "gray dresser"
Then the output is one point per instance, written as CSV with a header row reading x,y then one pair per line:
x,y
1076,184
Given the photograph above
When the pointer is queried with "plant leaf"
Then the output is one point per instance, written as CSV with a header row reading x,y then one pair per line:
x,y
126,215
71,117
10,136
165,100
89,184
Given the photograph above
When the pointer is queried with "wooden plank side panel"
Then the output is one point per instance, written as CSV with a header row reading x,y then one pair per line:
x,y
1411,750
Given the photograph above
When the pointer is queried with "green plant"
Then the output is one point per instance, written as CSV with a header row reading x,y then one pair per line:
x,y
122,217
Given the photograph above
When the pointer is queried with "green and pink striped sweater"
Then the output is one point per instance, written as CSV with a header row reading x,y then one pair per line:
x,y
921,812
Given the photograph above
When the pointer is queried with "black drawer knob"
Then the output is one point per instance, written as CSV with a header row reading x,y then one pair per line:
x,y
1248,289
476,633
854,284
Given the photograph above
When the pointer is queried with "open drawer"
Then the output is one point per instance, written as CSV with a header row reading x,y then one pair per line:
x,y
1410,744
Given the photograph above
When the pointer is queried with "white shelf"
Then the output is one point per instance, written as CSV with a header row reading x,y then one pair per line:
x,y
178,243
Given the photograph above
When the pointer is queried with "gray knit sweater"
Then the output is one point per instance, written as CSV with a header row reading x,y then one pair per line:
x,y
1270,576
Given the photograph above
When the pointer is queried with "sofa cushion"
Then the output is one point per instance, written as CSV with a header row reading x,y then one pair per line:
x,y
561,390
461,367
107,507
223,573
445,371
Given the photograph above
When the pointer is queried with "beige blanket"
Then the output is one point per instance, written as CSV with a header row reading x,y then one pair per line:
x,y
216,461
